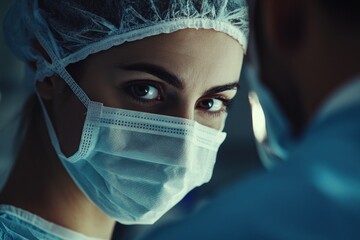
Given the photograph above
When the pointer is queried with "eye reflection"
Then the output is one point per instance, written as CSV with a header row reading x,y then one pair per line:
x,y
144,91
211,105
155,95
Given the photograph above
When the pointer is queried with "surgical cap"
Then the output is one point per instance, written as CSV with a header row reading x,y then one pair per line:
x,y
71,30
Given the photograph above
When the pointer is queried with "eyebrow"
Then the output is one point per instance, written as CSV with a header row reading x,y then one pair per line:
x,y
223,88
172,79
156,71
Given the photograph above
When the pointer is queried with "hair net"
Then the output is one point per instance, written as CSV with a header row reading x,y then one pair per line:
x,y
74,29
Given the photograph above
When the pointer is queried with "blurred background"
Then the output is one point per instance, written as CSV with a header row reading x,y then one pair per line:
x,y
12,97
237,157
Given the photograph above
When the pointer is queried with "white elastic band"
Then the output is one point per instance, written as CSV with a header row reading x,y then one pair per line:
x,y
57,66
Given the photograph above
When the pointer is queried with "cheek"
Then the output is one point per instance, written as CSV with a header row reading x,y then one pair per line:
x,y
215,122
69,117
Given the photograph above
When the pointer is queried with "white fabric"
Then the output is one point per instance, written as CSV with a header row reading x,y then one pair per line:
x,y
74,29
135,166
18,215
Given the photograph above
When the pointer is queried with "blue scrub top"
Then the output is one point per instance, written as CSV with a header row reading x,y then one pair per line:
x,y
313,195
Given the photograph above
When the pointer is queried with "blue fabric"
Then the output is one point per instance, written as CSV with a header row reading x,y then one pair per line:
x,y
314,195
12,227
17,224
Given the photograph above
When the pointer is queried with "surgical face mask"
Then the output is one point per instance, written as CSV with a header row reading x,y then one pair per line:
x,y
271,128
135,166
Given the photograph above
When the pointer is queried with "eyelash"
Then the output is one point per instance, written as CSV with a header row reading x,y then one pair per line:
x,y
154,84
226,102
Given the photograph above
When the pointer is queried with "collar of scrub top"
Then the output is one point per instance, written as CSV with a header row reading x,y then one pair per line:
x,y
40,223
343,97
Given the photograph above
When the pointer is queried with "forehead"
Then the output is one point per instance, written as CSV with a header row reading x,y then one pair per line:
x,y
185,53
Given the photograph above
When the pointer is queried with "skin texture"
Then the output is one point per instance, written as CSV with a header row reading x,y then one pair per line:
x,y
306,53
207,65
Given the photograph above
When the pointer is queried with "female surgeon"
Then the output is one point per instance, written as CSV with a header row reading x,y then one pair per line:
x,y
127,112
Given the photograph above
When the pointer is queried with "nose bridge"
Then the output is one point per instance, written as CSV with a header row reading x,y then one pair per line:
x,y
182,109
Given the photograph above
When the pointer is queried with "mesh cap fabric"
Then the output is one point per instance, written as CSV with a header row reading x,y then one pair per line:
x,y
74,29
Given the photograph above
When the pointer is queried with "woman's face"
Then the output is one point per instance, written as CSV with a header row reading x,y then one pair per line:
x,y
189,74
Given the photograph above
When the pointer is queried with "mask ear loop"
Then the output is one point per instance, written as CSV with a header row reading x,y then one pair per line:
x,y
88,137
57,67
51,130
91,125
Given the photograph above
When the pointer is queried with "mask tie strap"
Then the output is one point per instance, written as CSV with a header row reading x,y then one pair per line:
x,y
57,66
